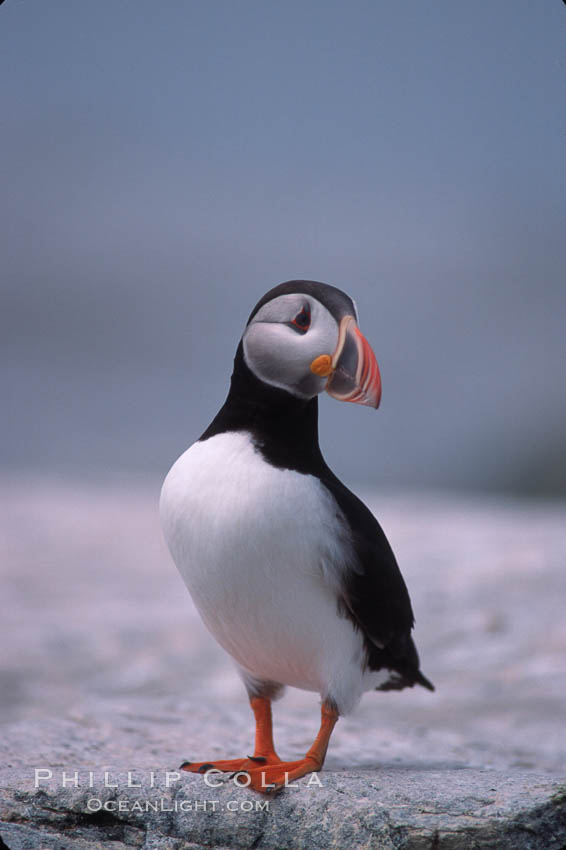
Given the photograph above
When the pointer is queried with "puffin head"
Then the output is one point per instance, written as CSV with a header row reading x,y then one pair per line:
x,y
303,337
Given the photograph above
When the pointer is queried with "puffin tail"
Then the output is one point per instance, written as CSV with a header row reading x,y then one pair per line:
x,y
422,680
397,681
401,659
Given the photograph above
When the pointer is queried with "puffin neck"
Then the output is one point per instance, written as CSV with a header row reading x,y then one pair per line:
x,y
284,428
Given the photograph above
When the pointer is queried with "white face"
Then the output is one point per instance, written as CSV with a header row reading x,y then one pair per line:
x,y
283,339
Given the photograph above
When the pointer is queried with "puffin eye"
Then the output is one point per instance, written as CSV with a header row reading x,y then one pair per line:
x,y
302,320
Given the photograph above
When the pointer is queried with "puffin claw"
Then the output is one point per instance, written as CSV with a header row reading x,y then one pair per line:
x,y
185,765
258,759
204,767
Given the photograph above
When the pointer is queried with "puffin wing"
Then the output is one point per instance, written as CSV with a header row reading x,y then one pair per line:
x,y
374,596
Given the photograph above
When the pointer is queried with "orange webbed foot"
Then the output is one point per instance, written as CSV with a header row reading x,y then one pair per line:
x,y
264,771
229,765
264,752
270,778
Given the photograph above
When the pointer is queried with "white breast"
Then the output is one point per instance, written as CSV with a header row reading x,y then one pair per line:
x,y
261,550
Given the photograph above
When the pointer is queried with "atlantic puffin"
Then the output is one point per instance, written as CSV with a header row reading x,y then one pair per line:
x,y
289,570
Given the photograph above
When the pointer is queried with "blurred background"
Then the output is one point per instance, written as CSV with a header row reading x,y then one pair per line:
x,y
164,164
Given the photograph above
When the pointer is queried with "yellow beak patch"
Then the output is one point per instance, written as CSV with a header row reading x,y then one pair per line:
x,y
322,365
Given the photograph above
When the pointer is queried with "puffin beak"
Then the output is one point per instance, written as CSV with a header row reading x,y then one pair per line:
x,y
353,373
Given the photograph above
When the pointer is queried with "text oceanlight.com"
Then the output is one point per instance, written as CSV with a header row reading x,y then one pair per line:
x,y
164,804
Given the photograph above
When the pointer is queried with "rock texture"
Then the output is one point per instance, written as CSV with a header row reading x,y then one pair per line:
x,y
390,808
107,670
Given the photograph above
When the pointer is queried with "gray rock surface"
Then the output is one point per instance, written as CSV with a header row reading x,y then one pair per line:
x,y
107,668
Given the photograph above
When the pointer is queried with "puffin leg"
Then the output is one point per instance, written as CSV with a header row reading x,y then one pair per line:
x,y
264,751
271,777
